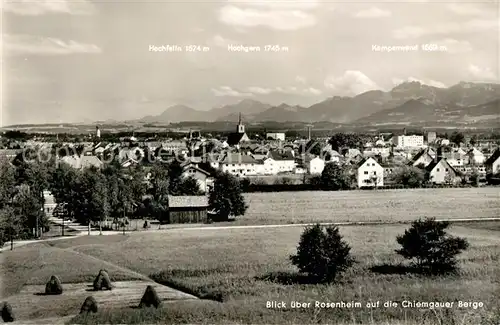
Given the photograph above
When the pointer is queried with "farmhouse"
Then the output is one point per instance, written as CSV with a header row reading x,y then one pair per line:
x,y
187,209
370,173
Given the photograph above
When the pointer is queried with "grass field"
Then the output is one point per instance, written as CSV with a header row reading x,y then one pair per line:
x,y
34,264
379,205
245,268
239,270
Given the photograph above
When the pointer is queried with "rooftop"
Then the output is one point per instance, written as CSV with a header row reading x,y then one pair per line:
x,y
187,201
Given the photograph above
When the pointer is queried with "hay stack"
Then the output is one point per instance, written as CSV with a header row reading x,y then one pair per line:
x,y
102,281
7,313
150,298
54,286
89,305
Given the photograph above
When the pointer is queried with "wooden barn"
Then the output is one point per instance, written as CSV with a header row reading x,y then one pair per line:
x,y
187,209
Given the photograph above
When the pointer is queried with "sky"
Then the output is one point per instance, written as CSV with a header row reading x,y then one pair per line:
x,y
80,60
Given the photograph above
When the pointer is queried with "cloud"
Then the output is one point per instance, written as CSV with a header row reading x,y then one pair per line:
x,y
465,9
428,82
225,91
454,46
476,25
42,7
373,12
482,74
352,82
300,80
260,90
312,91
279,19
32,45
220,41
282,4
287,90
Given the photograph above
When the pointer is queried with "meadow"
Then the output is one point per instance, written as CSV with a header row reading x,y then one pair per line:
x,y
370,206
236,271
239,270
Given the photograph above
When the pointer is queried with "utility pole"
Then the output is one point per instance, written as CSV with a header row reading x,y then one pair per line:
x,y
309,126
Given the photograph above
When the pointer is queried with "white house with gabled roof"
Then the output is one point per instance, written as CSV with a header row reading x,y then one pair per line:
x,y
370,173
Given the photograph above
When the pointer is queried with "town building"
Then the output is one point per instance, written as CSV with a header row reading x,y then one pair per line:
x,y
423,158
492,164
370,173
475,157
431,137
275,136
203,178
441,172
238,164
409,141
315,166
283,161
81,162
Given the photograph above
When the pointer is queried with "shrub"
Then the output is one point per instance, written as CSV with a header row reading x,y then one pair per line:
x,y
7,313
89,305
430,247
322,253
102,281
150,298
54,286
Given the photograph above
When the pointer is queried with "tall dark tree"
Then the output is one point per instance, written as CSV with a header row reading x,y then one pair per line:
x,y
90,202
9,221
409,176
226,198
189,186
340,141
158,203
62,185
174,173
335,177
457,138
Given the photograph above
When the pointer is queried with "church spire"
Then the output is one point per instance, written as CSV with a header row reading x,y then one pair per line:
x,y
241,127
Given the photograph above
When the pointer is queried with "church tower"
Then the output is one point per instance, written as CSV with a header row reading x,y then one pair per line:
x,y
97,132
241,127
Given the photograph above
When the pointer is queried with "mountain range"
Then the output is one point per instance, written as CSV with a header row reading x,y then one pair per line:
x,y
409,102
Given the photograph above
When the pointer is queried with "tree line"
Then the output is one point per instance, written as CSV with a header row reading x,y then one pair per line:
x,y
92,195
